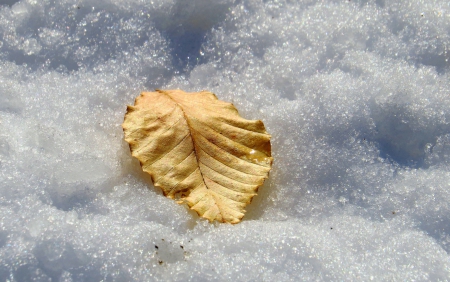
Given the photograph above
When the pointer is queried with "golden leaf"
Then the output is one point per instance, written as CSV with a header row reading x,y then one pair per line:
x,y
199,151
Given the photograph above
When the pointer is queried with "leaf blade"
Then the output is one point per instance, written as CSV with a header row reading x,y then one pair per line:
x,y
198,150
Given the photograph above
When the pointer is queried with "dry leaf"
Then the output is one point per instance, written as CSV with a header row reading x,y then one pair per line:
x,y
199,151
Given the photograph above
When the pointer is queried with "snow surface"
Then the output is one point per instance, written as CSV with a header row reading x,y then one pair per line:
x,y
356,95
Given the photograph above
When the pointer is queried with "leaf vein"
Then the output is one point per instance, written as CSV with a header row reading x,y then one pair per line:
x,y
228,152
151,122
156,137
225,205
173,166
227,164
225,176
183,180
213,129
167,152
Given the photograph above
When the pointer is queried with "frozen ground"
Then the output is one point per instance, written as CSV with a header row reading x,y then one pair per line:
x,y
356,95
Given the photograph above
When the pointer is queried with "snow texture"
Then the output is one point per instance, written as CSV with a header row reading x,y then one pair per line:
x,y
356,95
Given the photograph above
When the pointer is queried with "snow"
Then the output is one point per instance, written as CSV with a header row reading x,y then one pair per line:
x,y
355,94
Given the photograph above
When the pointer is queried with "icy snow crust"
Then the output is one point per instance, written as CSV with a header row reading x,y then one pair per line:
x,y
356,95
